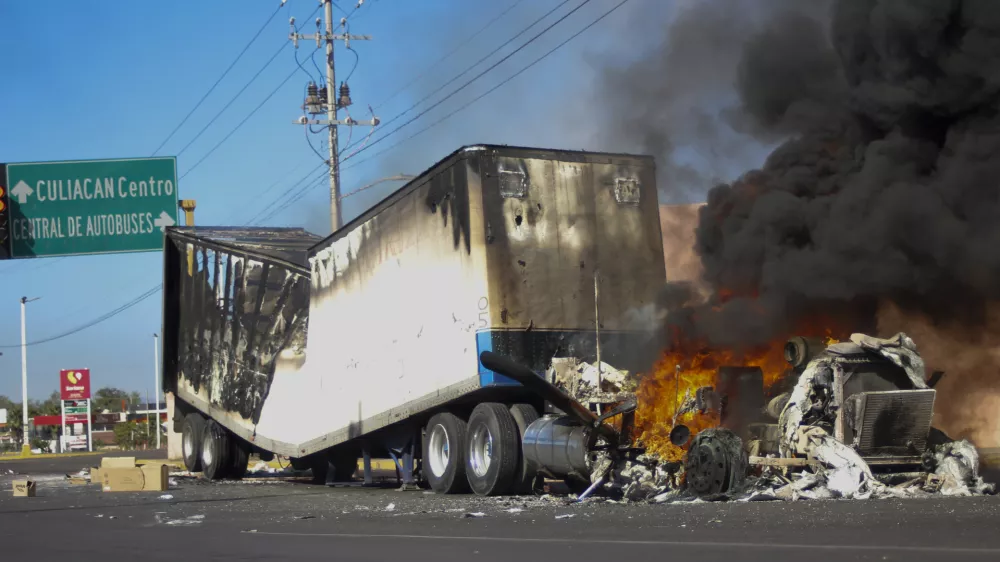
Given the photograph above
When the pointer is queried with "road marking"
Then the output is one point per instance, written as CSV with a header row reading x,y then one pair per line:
x,y
619,542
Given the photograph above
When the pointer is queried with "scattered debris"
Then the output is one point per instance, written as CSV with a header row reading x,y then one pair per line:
x,y
390,507
814,447
303,517
167,497
477,515
566,516
590,385
515,510
187,521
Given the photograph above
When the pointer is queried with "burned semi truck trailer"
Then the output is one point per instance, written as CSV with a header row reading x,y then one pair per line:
x,y
368,342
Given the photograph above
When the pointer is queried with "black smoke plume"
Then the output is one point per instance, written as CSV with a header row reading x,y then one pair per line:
x,y
886,183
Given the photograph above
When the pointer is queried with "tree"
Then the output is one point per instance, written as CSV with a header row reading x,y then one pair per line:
x,y
129,436
110,399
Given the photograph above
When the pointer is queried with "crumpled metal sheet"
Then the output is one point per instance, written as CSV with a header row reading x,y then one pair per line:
x,y
843,471
899,349
957,469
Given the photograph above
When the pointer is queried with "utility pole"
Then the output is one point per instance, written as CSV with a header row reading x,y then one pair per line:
x,y
25,442
156,384
324,99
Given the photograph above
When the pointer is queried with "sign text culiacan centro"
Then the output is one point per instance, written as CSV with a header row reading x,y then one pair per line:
x,y
90,207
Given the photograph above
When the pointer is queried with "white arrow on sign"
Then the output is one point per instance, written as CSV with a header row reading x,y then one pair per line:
x,y
22,191
163,221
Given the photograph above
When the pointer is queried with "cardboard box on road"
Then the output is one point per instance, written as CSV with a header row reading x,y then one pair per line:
x,y
24,488
120,474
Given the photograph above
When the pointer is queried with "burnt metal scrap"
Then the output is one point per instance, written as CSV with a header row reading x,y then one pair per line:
x,y
851,420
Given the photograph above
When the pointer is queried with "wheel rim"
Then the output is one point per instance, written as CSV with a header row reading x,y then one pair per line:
x,y
206,453
439,450
188,445
706,469
481,450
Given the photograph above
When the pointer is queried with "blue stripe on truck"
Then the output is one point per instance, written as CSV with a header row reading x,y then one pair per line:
x,y
484,342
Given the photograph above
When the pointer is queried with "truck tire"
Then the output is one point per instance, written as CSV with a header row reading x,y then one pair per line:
x,y
215,451
343,465
444,454
191,432
320,464
493,448
524,477
239,455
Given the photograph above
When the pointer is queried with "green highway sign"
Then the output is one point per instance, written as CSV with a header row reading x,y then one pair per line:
x,y
76,409
89,206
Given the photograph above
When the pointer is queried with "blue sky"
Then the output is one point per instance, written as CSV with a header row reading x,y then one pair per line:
x,y
111,79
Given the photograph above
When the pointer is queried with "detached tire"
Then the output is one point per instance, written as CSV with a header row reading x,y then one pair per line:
x,y
524,476
215,451
716,463
444,454
191,434
492,453
239,456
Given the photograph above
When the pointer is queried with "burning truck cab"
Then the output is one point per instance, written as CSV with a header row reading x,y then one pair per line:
x,y
846,419
864,398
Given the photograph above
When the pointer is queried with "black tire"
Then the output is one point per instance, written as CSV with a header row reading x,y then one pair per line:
x,y
215,451
524,477
444,469
300,464
319,464
492,450
343,465
239,457
191,432
716,463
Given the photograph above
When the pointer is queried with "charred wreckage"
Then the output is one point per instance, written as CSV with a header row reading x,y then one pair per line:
x,y
850,419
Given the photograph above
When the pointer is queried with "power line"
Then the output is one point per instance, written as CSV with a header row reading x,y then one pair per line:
x,y
477,77
234,98
304,189
310,173
217,82
95,321
480,61
467,40
491,90
240,124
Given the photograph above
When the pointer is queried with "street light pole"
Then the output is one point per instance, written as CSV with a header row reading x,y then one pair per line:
x,y
156,383
25,444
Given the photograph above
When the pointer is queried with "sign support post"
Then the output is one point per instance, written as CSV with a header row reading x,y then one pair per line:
x,y
90,427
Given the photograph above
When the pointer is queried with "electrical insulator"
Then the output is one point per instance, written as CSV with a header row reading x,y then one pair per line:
x,y
314,104
345,95
322,94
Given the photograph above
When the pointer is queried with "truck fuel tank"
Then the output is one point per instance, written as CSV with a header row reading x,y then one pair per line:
x,y
559,446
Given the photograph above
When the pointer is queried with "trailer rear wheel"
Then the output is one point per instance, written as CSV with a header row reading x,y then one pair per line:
x,y
191,432
444,454
215,451
239,455
492,449
524,477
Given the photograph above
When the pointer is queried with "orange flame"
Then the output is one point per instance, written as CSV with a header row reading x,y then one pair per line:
x,y
681,371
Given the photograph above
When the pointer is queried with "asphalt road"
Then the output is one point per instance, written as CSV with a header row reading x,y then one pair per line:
x,y
286,520
65,464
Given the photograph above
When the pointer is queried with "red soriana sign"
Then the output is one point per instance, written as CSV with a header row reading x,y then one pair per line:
x,y
74,384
